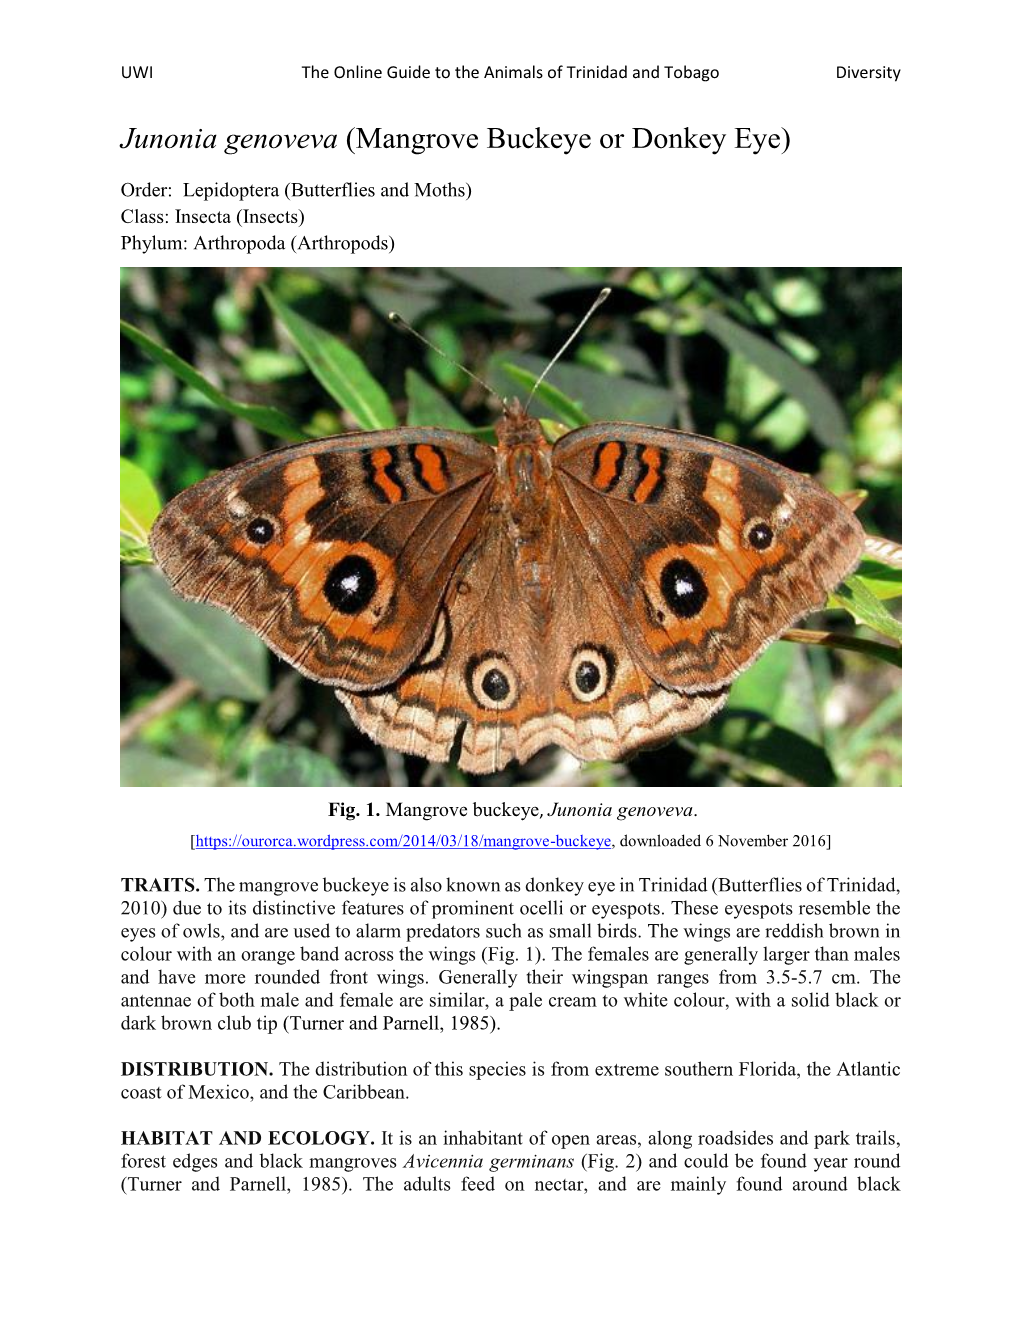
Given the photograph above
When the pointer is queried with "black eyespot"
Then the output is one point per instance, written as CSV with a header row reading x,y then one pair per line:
x,y
350,584
496,685
683,588
492,681
259,531
591,672
587,676
760,536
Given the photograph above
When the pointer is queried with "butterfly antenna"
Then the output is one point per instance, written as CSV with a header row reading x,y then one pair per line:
x,y
603,295
399,321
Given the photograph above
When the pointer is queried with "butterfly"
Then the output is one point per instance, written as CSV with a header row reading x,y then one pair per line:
x,y
478,603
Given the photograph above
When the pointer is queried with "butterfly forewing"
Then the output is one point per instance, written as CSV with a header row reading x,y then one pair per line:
x,y
336,552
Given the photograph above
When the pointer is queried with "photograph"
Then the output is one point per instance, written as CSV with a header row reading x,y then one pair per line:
x,y
560,526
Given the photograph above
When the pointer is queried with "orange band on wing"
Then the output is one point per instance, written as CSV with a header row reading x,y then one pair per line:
x,y
608,462
431,468
651,460
382,462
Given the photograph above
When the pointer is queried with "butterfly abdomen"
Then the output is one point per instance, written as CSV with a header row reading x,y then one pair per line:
x,y
525,498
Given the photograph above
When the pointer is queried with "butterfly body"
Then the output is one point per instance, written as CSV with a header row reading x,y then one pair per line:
x,y
480,603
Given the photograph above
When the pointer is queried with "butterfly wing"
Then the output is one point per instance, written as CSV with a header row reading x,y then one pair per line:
x,y
707,552
508,672
389,565
336,552
601,703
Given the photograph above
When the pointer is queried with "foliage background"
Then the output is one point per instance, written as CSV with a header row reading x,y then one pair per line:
x,y
801,364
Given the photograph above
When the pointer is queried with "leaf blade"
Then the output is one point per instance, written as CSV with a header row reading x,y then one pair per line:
x,y
427,406
862,604
565,408
140,767
797,381
270,420
337,368
195,641
883,580
756,740
293,767
597,394
139,502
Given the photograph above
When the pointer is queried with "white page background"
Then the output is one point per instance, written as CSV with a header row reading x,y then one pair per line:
x,y
877,174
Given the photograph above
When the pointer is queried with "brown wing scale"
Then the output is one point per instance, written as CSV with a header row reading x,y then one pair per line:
x,y
336,552
484,604
508,672
708,552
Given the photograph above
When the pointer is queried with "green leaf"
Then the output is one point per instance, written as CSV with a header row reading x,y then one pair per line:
x,y
756,400
142,768
337,368
413,295
760,688
613,359
264,419
778,685
519,288
755,739
828,420
861,739
599,396
195,641
878,436
168,421
139,502
797,296
266,365
133,388
566,409
427,406
800,703
294,767
882,580
134,552
858,600
445,351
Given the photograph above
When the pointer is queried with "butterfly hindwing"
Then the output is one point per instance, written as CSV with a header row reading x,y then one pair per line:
x,y
507,673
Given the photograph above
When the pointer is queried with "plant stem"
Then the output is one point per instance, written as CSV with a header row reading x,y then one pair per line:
x,y
176,694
